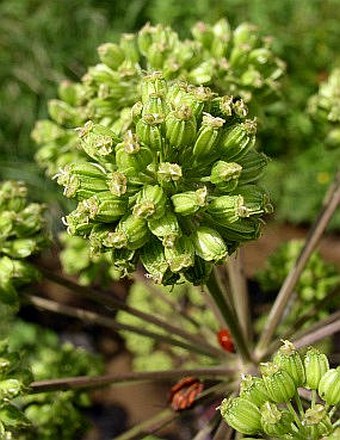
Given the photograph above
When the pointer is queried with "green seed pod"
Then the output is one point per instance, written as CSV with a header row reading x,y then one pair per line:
x,y
82,180
279,384
136,231
329,386
131,156
166,228
153,83
104,207
180,127
117,183
70,92
246,33
316,365
253,164
275,422
168,173
225,210
155,106
253,389
189,202
203,33
64,114
243,230
317,422
241,414
256,200
209,245
207,137
288,358
145,38
150,203
128,44
199,273
10,388
148,130
225,175
153,259
181,255
222,36
111,55
238,140
78,222
98,141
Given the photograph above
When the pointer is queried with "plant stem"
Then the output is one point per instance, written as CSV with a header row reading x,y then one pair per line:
x,y
299,404
320,333
229,317
331,202
95,318
111,302
82,382
295,416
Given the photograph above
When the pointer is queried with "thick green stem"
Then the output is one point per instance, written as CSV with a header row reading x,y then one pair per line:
x,y
229,316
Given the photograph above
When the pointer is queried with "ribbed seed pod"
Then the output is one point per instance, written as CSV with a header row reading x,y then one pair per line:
x,y
241,414
168,173
131,156
246,228
98,141
189,202
317,422
136,231
275,422
279,384
153,83
103,207
180,127
166,228
209,245
117,183
148,129
153,259
111,54
150,203
207,137
254,389
238,140
64,114
316,365
225,175
181,255
329,386
226,209
288,358
253,164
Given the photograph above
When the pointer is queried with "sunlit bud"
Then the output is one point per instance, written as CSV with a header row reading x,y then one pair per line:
x,y
97,140
279,384
225,175
246,33
241,414
189,202
207,136
181,255
252,78
111,54
180,127
128,44
117,183
209,245
168,172
203,73
329,386
254,389
166,228
226,209
260,56
238,139
103,207
222,35
275,422
203,33
136,231
151,203
316,365
153,259
288,358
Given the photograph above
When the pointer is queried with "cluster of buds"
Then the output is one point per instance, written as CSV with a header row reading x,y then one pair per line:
x,y
239,63
15,378
21,235
177,190
264,405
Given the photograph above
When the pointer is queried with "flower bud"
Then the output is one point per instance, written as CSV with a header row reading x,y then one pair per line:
x,y
225,175
181,255
180,127
128,44
209,245
288,358
153,259
226,209
97,140
203,33
64,114
103,207
207,137
10,388
111,55
148,130
150,203
279,384
329,386
253,164
189,202
253,389
241,414
153,83
316,365
166,228
245,33
168,173
275,422
131,156
238,139
136,231
117,183
222,36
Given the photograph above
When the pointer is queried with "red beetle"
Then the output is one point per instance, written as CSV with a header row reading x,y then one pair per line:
x,y
184,393
225,340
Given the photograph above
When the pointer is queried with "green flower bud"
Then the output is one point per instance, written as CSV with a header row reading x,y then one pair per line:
x,y
226,209
136,231
181,255
288,358
180,127
13,195
203,33
222,36
128,44
168,173
151,203
166,228
153,259
253,389
279,384
117,183
241,414
10,388
329,386
47,131
189,202
243,230
148,130
103,207
238,140
82,180
157,107
275,422
316,365
98,141
78,222
209,245
253,164
225,175
246,33
207,137
111,55
70,92
64,114
145,38
131,156
153,84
